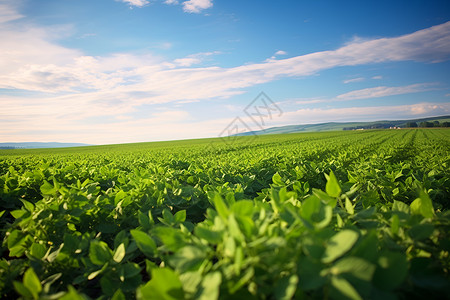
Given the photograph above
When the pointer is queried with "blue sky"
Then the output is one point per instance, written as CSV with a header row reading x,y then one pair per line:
x,y
116,71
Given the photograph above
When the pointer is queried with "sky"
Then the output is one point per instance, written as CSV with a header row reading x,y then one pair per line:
x,y
122,71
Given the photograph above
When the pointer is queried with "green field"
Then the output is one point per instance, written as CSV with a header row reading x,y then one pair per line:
x,y
334,215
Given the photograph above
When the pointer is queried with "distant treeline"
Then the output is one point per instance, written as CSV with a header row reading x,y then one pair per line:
x,y
427,124
396,125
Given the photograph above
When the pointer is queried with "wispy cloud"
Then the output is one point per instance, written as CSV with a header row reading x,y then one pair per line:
x,y
358,79
377,77
280,52
373,92
137,3
303,101
384,91
196,6
193,59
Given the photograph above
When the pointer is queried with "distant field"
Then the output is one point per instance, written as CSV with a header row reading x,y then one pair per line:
x,y
339,215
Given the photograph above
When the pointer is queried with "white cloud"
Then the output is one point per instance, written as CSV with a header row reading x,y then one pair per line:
x,y
196,6
377,77
187,61
170,2
193,59
138,3
311,101
280,52
274,57
384,91
373,92
358,79
8,12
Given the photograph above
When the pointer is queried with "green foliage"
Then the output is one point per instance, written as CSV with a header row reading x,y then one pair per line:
x,y
338,215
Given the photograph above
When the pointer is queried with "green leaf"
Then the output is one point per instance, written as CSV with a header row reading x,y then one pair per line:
x,y
400,206
28,205
421,231
164,285
48,188
119,196
332,187
32,282
129,270
276,179
23,290
118,295
172,238
310,273
119,254
15,238
220,206
325,198
180,216
144,220
315,213
18,213
395,224
191,282
37,250
207,234
286,287
391,271
349,206
234,230
144,242
422,205
355,266
344,289
210,287
188,258
168,217
339,244
243,208
72,294
99,253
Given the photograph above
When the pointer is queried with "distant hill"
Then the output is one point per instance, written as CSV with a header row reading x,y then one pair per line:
x,y
33,145
333,126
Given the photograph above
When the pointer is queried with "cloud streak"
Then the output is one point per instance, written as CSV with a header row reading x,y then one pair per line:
x,y
137,3
357,79
384,91
373,92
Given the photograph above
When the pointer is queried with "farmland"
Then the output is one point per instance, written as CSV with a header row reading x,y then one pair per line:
x,y
338,215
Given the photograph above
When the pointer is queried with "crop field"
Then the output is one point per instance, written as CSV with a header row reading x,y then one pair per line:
x,y
335,215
